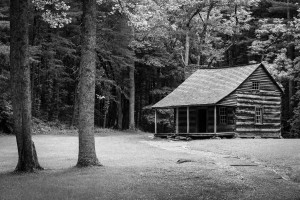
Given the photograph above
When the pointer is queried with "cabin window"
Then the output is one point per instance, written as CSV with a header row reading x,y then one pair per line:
x,y
258,115
223,117
255,85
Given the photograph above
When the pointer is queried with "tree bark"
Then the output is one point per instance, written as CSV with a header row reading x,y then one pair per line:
x,y
120,111
291,94
131,98
291,55
198,60
106,109
20,84
231,57
87,153
187,48
74,121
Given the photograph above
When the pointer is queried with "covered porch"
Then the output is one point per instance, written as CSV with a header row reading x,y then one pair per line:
x,y
201,121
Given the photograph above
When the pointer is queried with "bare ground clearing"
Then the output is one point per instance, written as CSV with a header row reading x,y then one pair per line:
x,y
138,167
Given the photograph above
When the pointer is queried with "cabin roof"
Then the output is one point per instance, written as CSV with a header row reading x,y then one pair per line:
x,y
208,86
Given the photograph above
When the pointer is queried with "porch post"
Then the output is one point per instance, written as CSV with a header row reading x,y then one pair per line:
x,y
155,121
188,119
177,116
215,119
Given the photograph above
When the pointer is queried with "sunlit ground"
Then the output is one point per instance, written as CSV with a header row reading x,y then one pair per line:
x,y
135,166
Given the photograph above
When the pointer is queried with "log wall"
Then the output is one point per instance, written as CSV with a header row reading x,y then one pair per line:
x,y
268,97
230,100
228,127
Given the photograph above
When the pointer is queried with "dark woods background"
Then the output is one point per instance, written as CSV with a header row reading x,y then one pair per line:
x,y
55,56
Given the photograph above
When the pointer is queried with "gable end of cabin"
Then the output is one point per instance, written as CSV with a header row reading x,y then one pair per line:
x,y
258,110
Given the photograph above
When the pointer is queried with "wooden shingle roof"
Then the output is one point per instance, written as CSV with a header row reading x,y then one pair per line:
x,y
207,86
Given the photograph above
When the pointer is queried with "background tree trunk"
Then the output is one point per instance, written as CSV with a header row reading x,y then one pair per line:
x,y
74,121
120,110
131,98
291,55
87,154
106,109
20,85
187,48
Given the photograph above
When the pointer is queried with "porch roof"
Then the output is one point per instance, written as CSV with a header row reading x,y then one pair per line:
x,y
207,86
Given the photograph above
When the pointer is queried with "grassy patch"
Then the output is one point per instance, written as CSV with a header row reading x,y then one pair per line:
x,y
132,170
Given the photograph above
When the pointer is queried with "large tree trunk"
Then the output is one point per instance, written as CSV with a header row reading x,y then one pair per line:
x,y
20,84
87,153
131,98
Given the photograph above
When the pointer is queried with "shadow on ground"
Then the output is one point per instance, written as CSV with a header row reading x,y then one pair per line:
x,y
136,167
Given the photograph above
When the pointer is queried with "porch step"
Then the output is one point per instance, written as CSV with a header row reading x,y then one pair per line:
x,y
223,134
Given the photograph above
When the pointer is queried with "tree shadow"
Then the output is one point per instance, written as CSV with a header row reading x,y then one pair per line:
x,y
52,172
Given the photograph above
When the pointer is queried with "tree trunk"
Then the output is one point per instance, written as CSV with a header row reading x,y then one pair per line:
x,y
87,153
198,60
55,100
291,94
106,109
291,55
36,92
231,58
120,111
187,48
131,98
20,84
74,121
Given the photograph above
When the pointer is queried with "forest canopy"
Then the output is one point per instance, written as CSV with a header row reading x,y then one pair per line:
x,y
145,49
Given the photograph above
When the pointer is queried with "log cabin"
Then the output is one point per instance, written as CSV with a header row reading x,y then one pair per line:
x,y
243,101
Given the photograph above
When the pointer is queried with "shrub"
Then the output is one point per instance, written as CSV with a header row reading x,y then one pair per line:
x,y
165,122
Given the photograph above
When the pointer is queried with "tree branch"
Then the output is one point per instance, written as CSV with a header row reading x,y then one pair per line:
x,y
182,59
193,15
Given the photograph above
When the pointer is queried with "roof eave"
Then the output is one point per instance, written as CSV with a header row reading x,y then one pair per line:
x,y
176,106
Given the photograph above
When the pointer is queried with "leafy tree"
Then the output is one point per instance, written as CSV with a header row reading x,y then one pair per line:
x,y
116,57
160,40
87,153
275,42
212,27
20,86
20,59
295,120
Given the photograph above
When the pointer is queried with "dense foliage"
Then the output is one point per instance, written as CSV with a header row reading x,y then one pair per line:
x,y
164,40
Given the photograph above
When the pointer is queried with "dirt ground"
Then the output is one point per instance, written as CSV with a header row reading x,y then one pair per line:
x,y
136,166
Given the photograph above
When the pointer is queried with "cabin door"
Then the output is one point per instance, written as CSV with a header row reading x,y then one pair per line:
x,y
202,121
